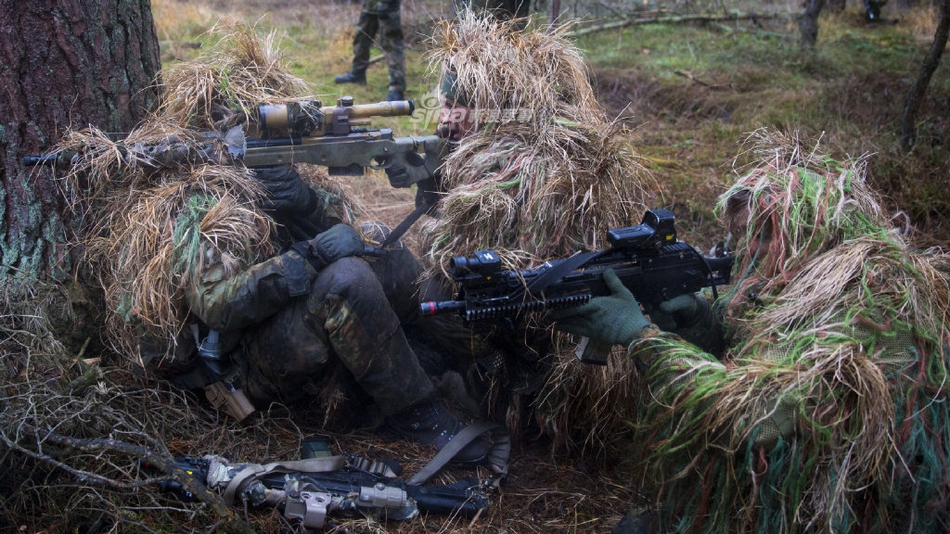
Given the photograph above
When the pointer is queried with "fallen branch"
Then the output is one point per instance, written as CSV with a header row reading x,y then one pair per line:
x,y
163,463
672,19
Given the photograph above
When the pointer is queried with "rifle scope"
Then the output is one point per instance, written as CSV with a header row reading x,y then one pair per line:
x,y
655,232
484,262
308,116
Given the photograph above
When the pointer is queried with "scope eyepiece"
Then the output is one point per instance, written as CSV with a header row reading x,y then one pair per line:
x,y
483,262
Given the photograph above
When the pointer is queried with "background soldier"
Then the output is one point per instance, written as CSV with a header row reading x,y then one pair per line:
x,y
382,17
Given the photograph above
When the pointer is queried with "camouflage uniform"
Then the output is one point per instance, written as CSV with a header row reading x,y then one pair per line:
x,y
383,17
289,325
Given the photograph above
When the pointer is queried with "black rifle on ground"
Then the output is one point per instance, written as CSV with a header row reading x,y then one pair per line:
x,y
297,132
309,490
647,258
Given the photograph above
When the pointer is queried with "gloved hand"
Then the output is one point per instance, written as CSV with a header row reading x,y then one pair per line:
x,y
338,242
286,191
691,317
398,176
683,311
613,319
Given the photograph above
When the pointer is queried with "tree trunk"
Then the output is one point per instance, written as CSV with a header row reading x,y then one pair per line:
x,y
808,23
916,96
62,63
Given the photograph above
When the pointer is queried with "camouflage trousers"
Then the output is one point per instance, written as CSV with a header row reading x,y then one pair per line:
x,y
388,26
346,319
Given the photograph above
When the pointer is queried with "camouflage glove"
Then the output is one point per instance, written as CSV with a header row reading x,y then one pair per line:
x,y
286,192
338,242
614,320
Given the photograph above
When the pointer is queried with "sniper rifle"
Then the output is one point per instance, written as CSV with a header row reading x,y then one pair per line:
x,y
647,258
297,132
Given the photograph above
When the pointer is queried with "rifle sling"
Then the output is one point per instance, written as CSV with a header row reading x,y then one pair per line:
x,y
559,271
498,456
405,224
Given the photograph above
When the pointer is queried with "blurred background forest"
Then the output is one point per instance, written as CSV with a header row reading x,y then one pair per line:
x,y
690,79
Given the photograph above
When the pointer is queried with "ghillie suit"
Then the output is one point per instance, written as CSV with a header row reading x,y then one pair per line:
x,y
829,412
545,175
161,237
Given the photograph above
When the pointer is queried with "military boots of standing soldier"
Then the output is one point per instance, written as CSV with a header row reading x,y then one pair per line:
x,y
351,77
430,423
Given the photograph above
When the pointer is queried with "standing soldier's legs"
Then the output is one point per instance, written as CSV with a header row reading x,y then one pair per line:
x,y
391,41
366,28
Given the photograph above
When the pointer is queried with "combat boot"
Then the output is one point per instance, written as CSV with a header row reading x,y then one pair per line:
x,y
351,77
430,423
394,95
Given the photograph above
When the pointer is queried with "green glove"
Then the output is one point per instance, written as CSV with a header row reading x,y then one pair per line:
x,y
613,320
338,242
691,317
683,311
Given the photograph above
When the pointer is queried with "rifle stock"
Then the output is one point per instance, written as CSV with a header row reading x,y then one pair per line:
x,y
647,258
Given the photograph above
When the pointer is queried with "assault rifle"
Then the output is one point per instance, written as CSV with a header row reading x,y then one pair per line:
x,y
309,490
296,132
647,258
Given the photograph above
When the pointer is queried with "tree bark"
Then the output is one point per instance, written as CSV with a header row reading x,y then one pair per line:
x,y
62,63
808,23
916,95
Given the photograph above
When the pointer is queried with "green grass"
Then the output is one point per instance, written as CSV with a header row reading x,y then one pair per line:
x,y
696,89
